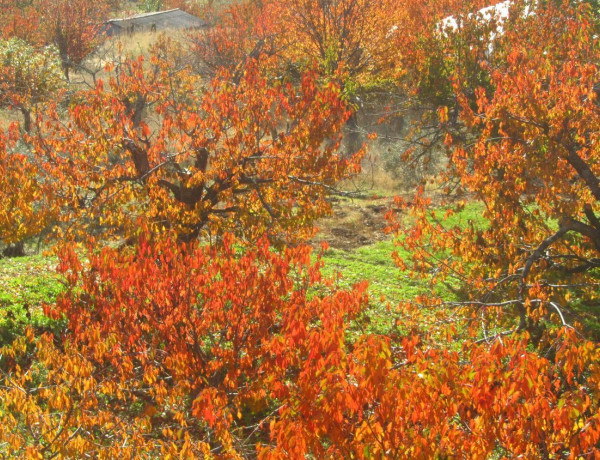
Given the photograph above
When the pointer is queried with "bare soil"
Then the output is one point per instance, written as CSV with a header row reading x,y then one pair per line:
x,y
354,223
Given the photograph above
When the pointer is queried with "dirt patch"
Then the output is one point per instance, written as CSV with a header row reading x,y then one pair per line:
x,y
354,223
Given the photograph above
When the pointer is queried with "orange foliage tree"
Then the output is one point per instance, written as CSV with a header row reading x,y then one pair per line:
x,y
21,196
350,36
72,26
523,144
240,32
201,368
231,354
20,19
248,154
347,37
28,77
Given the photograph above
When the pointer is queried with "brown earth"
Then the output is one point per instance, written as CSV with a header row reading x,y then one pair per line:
x,y
354,223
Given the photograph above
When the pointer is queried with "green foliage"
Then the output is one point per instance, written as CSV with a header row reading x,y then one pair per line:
x,y
148,6
26,284
28,75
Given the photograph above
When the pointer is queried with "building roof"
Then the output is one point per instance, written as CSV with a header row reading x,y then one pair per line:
x,y
499,12
169,19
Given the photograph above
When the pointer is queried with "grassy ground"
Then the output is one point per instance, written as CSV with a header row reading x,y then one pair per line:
x,y
375,264
26,283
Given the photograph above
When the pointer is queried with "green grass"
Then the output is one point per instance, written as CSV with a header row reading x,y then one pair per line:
x,y
373,263
26,283
388,284
472,213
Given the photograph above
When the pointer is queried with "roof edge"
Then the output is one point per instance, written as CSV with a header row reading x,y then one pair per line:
x,y
145,15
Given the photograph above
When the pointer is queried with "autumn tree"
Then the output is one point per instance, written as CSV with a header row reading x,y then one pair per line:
x,y
391,56
212,332
240,32
433,43
21,196
239,351
200,368
246,154
28,77
347,37
526,151
73,27
20,19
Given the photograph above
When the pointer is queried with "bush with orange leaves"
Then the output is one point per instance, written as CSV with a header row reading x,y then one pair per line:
x,y
228,353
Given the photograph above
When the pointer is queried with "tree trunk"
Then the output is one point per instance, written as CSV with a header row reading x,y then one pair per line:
x,y
26,119
15,250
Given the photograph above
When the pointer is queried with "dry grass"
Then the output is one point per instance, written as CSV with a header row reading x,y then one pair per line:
x,y
140,43
7,117
116,49
354,223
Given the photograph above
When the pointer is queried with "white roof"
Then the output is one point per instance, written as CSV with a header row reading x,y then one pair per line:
x,y
498,12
